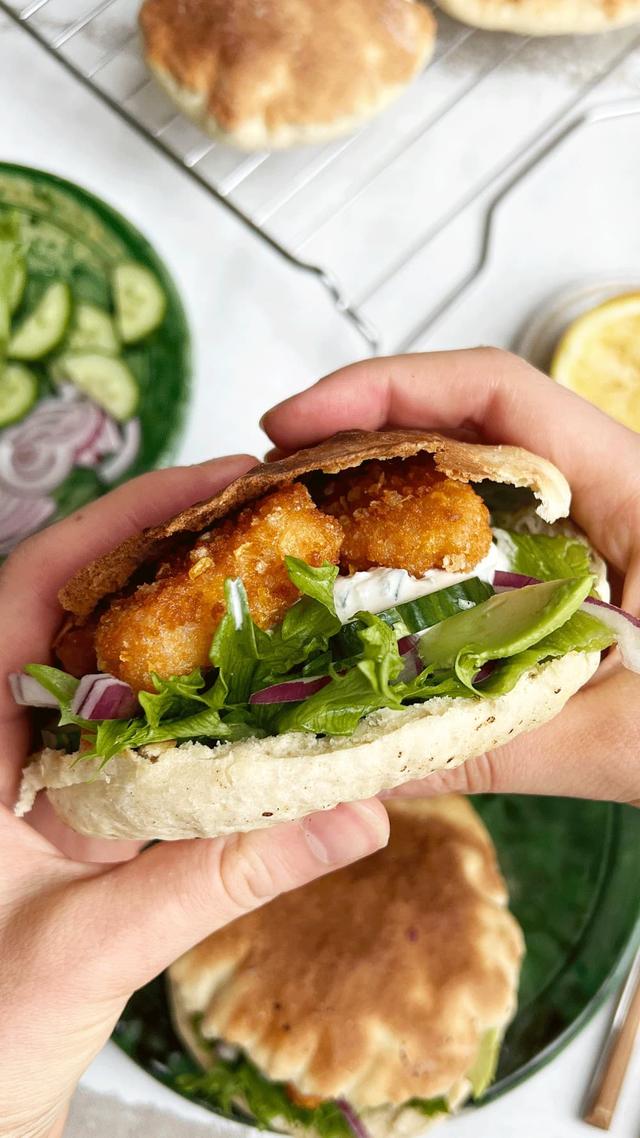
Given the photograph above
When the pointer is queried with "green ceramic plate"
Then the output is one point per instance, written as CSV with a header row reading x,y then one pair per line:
x,y
573,870
71,235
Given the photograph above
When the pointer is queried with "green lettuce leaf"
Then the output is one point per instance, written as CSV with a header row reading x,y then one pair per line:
x,y
337,708
237,645
548,557
173,698
60,685
430,1107
316,583
230,1084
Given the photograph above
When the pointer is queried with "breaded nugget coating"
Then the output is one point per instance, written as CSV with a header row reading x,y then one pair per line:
x,y
166,626
404,514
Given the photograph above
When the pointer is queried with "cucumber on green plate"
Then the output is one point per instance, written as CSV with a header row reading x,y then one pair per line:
x,y
44,327
18,392
92,330
140,302
105,379
18,285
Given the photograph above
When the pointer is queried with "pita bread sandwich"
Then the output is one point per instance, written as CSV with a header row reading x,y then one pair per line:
x,y
267,74
330,625
371,1002
545,17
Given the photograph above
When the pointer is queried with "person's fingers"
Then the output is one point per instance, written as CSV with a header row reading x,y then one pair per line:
x,y
589,751
173,895
505,401
32,576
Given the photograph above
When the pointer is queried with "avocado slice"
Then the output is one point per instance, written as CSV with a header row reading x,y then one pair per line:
x,y
502,626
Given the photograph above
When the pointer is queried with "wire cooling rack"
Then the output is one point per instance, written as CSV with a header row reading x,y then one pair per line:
x,y
361,211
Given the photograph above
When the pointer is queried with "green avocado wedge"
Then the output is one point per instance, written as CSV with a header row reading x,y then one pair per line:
x,y
502,626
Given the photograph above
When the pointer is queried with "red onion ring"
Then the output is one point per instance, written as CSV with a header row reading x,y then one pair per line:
x,y
102,696
290,691
20,517
352,1118
27,692
128,444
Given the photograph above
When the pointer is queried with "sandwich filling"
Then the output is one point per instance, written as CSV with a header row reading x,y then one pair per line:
x,y
326,600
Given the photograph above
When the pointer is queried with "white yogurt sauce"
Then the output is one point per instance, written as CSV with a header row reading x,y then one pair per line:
x,y
379,589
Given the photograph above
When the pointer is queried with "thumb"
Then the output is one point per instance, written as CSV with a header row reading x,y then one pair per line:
x,y
176,893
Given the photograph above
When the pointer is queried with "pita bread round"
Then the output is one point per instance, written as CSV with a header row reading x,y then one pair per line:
x,y
192,790
263,74
544,17
390,973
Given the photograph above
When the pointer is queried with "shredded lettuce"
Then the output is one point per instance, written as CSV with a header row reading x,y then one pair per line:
x,y
237,1085
510,631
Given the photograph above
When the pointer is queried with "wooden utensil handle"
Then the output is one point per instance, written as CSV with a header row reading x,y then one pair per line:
x,y
601,1109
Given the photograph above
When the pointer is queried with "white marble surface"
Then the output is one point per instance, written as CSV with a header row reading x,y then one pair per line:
x,y
262,330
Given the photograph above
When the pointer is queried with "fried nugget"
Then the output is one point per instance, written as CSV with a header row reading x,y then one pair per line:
x,y
166,626
404,514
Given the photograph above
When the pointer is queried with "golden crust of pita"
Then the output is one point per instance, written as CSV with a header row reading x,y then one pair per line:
x,y
465,462
376,982
545,17
270,73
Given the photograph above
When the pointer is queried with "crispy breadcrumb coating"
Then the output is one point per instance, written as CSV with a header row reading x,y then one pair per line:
x,y
404,514
166,626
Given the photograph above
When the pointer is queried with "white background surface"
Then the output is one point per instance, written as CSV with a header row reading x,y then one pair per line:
x,y
261,330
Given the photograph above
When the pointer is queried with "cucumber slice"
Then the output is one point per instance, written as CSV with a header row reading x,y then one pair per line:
x,y
18,393
139,301
18,285
92,330
413,616
42,330
427,611
105,379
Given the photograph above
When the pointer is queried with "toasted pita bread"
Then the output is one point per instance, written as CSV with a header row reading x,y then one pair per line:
x,y
391,971
284,72
192,790
544,17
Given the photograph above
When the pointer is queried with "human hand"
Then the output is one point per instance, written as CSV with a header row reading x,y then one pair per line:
x,y
78,934
591,749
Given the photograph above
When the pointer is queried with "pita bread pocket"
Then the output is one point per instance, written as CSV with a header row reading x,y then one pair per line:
x,y
367,680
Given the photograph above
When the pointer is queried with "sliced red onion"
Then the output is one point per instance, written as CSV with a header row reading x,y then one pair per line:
x,y
102,696
412,663
27,692
624,626
90,448
20,517
352,1118
290,691
33,469
37,454
502,581
485,671
129,445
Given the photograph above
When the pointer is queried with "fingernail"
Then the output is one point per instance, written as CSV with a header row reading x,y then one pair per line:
x,y
347,833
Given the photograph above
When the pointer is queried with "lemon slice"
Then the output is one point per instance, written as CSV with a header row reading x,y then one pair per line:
x,y
599,358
